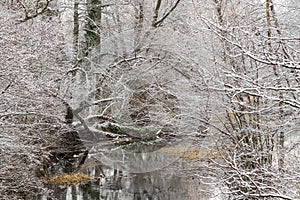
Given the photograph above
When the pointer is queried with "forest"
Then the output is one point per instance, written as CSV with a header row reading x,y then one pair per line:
x,y
197,99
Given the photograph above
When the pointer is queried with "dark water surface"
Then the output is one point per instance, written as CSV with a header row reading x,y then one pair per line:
x,y
119,185
177,180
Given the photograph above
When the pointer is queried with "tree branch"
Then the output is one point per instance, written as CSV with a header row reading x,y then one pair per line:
x,y
159,22
6,88
37,12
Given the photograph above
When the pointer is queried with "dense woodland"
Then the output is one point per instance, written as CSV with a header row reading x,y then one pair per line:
x,y
224,69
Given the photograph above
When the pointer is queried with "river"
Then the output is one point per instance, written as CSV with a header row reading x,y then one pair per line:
x,y
181,179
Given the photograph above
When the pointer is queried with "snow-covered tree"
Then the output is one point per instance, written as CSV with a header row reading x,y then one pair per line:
x,y
31,117
257,60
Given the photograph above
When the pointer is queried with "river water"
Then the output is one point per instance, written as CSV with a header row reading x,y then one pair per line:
x,y
181,179
120,185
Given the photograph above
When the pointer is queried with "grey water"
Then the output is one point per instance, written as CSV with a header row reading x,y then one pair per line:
x,y
177,178
120,185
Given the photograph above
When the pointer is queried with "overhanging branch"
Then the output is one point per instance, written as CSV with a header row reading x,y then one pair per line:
x,y
36,13
160,21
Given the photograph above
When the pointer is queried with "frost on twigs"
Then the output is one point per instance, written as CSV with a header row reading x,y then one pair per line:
x,y
30,118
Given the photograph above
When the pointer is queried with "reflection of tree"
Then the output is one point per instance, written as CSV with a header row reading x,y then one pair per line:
x,y
137,71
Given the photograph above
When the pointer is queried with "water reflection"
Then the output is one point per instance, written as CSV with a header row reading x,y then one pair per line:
x,y
174,181
117,185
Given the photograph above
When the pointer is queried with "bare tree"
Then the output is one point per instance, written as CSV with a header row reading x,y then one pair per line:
x,y
30,117
134,75
137,71
261,102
